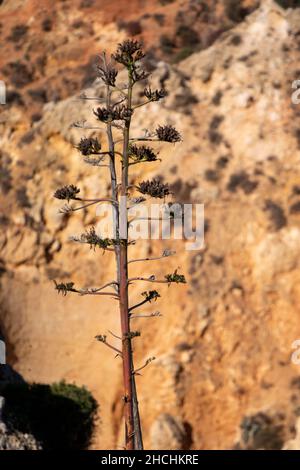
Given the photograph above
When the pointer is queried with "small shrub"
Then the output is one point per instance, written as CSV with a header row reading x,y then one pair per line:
x,y
235,11
288,3
47,25
5,179
187,36
296,190
20,74
183,189
167,44
222,162
213,133
35,117
185,100
38,94
216,121
295,382
22,197
297,135
90,72
184,53
40,63
60,416
295,208
27,138
159,18
86,3
18,32
211,175
216,100
78,24
260,431
241,180
236,40
4,220
133,28
14,97
276,214
217,259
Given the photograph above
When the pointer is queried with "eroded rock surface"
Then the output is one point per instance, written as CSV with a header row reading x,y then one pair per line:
x,y
223,349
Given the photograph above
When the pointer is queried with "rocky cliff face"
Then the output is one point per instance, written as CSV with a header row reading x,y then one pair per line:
x,y
223,344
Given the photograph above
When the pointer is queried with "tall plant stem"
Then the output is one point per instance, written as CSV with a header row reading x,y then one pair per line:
x,y
114,182
125,327
133,433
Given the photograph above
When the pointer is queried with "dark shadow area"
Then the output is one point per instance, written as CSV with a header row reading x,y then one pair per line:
x,y
288,3
260,431
59,416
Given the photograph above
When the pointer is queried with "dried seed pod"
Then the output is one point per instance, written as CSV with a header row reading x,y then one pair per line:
x,y
142,153
64,288
150,295
90,237
67,192
154,188
122,113
101,338
175,277
128,52
89,146
103,114
168,133
108,74
155,95
119,113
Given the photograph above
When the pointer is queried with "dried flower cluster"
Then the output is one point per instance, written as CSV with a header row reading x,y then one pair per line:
x,y
91,238
89,146
175,277
108,74
168,133
141,153
138,73
64,288
155,95
150,295
119,113
128,52
154,188
101,338
67,192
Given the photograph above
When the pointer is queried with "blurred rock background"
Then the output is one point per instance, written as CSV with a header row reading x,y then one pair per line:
x,y
223,377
